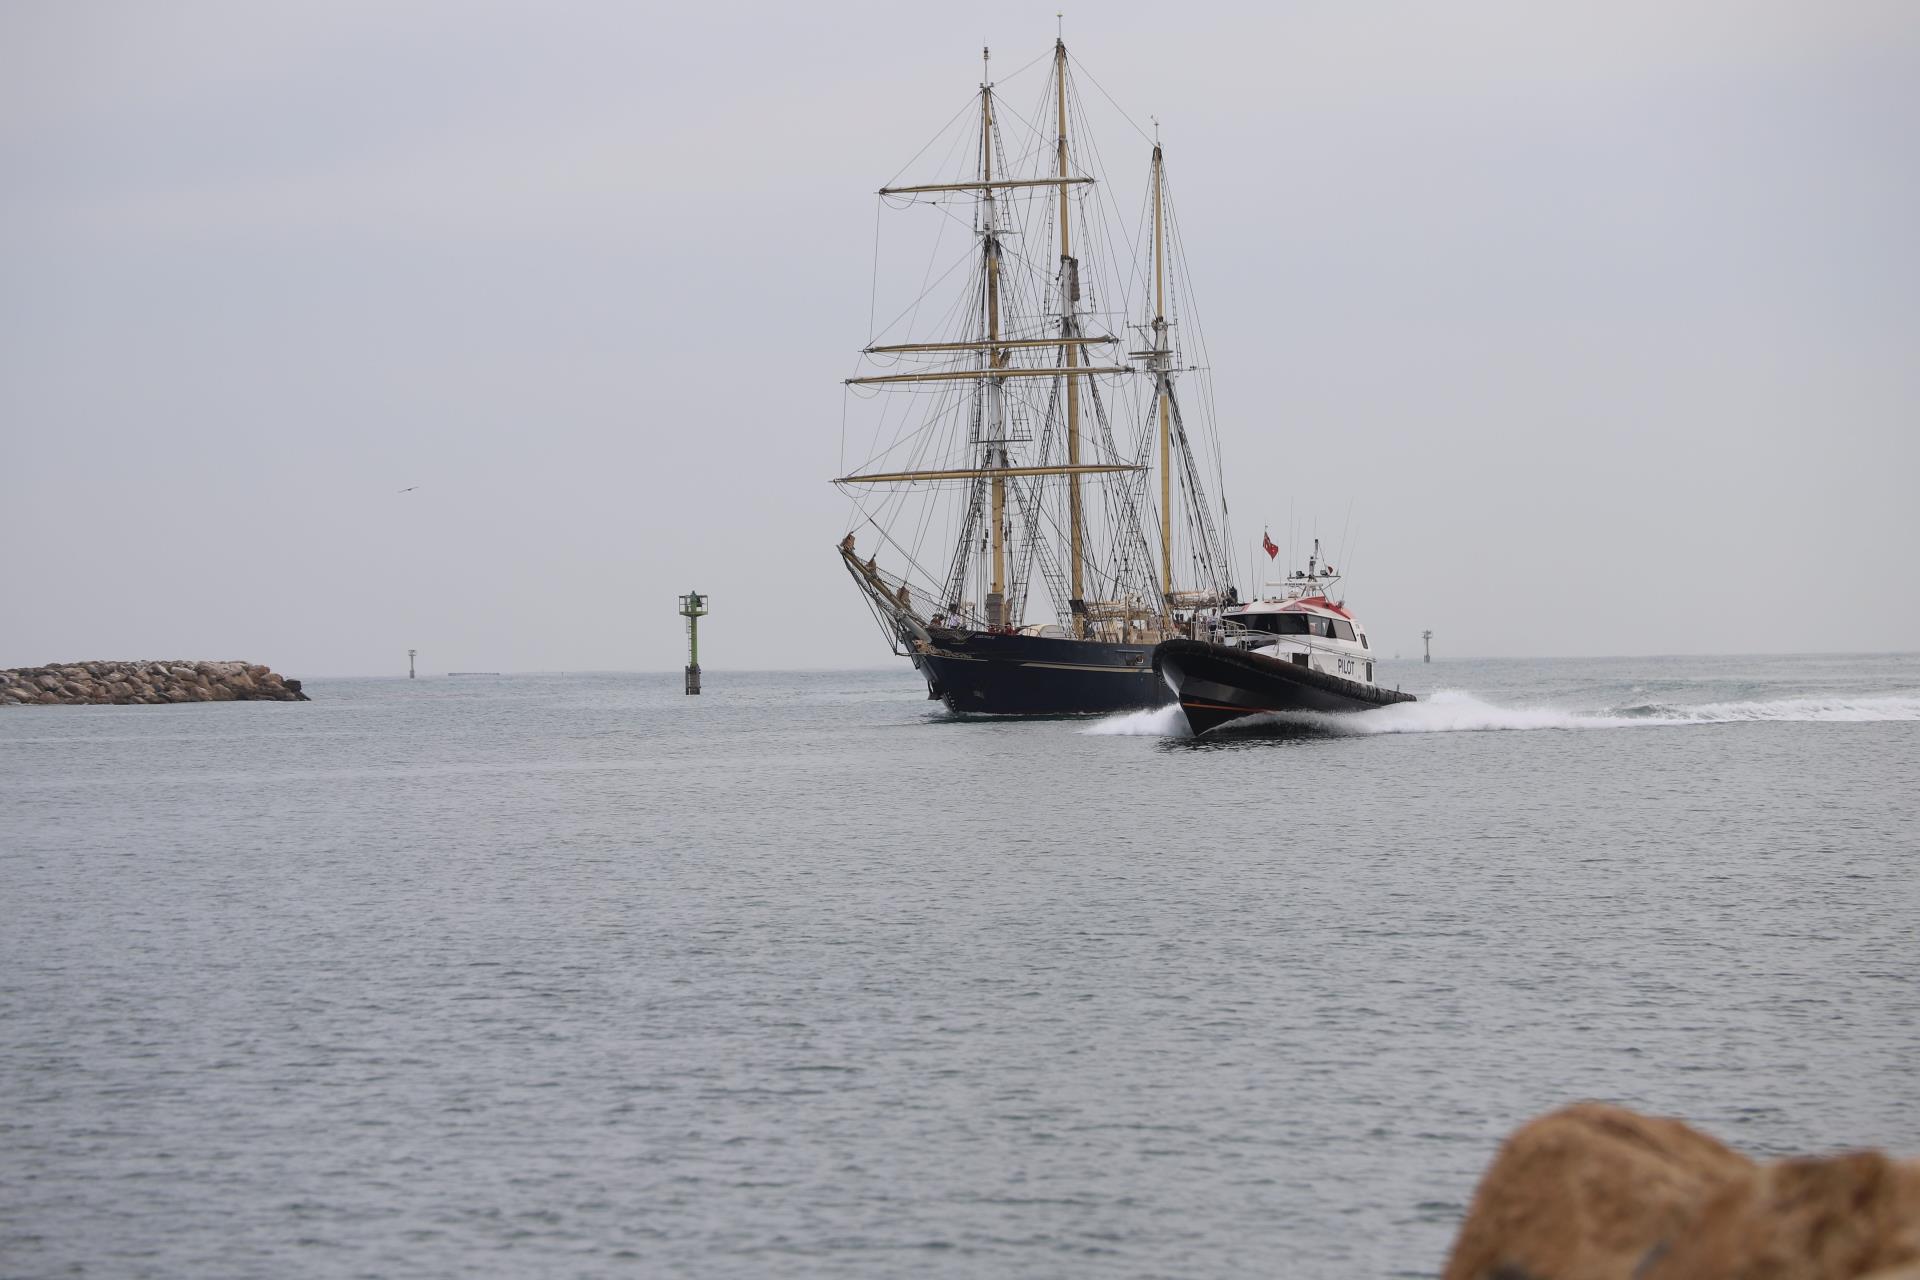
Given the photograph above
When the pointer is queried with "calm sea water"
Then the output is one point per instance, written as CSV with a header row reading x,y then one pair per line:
x,y
575,975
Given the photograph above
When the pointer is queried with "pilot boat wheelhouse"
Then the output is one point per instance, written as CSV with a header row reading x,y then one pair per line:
x,y
1311,632
1298,650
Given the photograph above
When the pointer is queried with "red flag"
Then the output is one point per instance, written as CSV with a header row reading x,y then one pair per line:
x,y
1266,541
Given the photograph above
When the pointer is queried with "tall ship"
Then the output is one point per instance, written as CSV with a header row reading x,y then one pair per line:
x,y
1030,517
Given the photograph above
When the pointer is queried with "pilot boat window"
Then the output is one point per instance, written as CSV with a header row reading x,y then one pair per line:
x,y
1276,624
1322,627
1342,629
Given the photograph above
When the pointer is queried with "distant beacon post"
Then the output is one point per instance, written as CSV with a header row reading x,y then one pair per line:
x,y
410,654
693,607
1426,638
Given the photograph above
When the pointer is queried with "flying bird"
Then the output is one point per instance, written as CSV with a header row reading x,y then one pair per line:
x,y
410,488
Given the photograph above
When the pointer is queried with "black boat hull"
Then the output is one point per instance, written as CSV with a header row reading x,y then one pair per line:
x,y
1216,684
982,673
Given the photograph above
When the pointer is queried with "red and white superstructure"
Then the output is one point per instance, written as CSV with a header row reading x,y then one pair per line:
x,y
1303,624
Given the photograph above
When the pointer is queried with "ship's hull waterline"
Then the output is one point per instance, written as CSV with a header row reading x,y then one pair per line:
x,y
982,673
1216,684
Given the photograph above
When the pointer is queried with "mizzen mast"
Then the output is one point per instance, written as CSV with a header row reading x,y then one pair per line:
x,y
1162,390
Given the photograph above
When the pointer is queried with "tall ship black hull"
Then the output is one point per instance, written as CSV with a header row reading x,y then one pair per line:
x,y
983,673
1216,684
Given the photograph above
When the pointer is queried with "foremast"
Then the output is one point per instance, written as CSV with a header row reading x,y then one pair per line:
x,y
1070,359
993,405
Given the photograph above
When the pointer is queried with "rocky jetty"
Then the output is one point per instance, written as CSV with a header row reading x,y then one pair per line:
x,y
148,683
1601,1193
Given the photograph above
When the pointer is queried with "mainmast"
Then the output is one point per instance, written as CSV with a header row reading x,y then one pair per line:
x,y
1163,392
994,406
1069,329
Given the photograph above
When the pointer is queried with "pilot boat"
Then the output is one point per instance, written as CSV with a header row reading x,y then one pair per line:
x,y
1297,650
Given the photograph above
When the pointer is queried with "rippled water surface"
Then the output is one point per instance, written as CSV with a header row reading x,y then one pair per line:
x,y
575,975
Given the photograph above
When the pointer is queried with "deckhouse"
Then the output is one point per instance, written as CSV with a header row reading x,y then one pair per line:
x,y
1303,625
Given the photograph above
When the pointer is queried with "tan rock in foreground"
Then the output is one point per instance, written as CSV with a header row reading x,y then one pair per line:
x,y
1595,1192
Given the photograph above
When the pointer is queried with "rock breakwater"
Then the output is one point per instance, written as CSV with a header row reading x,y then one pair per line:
x,y
144,683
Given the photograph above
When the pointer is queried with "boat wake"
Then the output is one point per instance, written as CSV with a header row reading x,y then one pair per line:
x,y
1450,711
1153,722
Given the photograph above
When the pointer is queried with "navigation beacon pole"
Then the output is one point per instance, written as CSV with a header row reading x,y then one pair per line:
x,y
693,607
410,654
1426,638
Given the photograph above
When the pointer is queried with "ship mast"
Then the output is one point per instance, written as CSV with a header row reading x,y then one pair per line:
x,y
994,406
1162,390
1069,329
990,358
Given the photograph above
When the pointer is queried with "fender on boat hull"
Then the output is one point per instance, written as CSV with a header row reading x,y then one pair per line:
x,y
1217,683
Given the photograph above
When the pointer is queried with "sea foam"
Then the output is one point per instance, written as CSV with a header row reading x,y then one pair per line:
x,y
1153,722
1453,711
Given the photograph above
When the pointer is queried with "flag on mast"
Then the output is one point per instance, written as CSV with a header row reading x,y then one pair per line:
x,y
1266,540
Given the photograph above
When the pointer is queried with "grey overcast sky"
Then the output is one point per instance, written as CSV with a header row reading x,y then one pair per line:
x,y
1603,317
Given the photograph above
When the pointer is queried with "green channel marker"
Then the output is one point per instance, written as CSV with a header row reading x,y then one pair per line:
x,y
693,607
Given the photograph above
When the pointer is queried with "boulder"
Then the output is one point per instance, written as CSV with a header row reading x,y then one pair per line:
x,y
1822,1218
1595,1192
